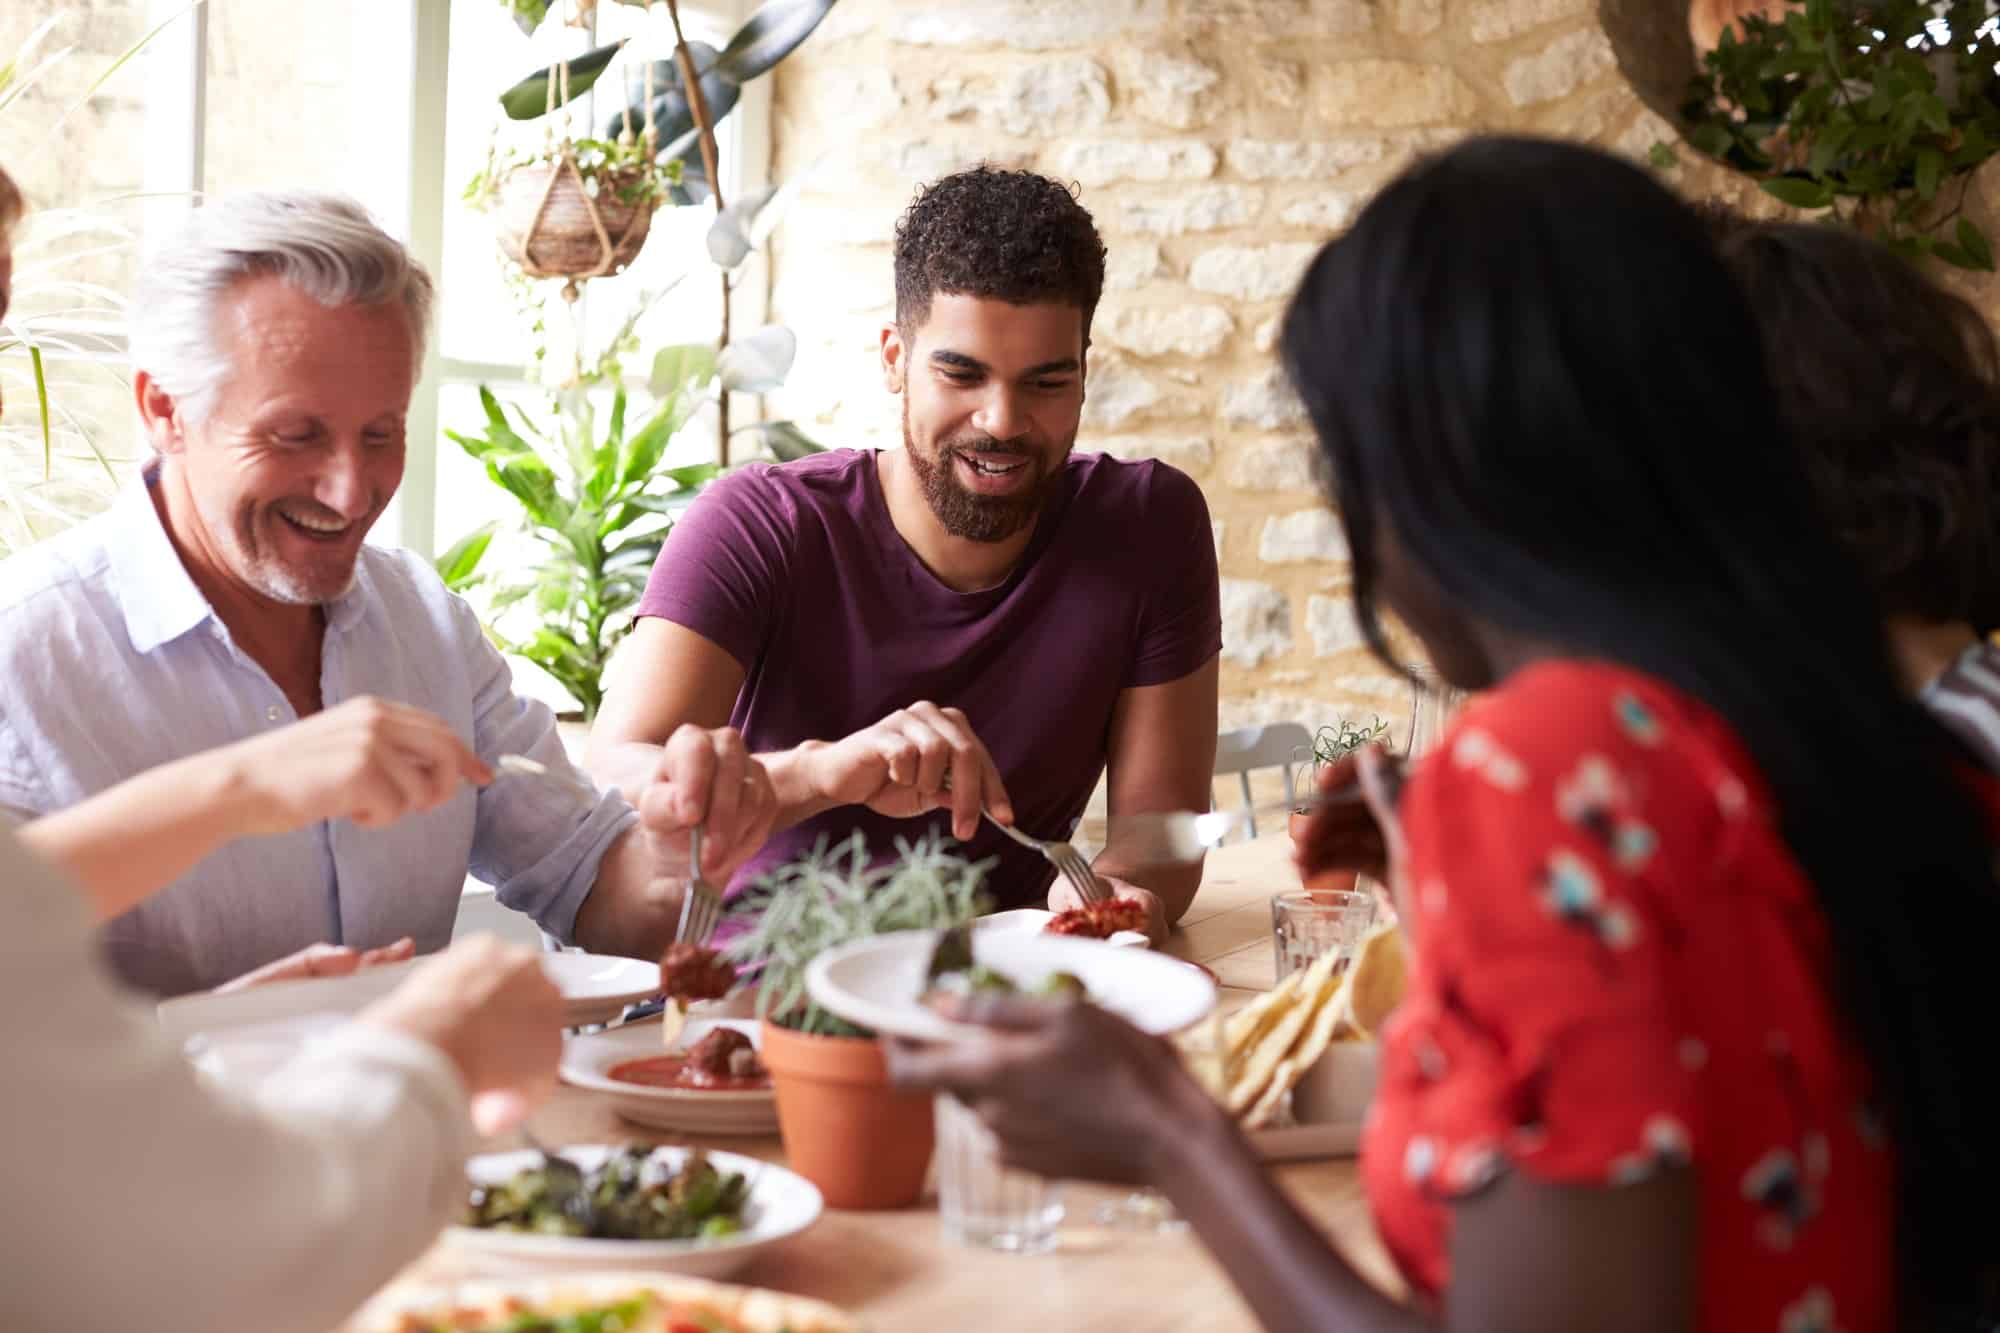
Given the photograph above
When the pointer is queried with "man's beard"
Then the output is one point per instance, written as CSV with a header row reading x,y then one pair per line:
x,y
967,514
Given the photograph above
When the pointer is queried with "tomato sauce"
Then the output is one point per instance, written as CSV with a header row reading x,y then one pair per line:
x,y
674,1071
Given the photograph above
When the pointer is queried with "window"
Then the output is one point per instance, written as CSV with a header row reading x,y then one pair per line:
x,y
483,335
390,101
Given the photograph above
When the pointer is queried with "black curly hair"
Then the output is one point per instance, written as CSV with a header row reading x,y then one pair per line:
x,y
1891,385
1008,235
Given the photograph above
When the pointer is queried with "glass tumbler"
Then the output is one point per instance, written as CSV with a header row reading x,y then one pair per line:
x,y
983,1203
1307,924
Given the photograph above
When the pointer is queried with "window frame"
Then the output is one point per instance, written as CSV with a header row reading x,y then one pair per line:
x,y
176,72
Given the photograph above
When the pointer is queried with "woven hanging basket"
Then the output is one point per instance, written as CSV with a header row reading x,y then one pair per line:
x,y
553,226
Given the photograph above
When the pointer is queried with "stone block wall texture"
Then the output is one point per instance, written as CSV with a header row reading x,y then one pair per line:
x,y
1218,143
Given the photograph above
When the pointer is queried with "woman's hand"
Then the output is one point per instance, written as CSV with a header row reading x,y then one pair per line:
x,y
1365,835
1070,1090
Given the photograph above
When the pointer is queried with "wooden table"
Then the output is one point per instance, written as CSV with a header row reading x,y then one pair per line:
x,y
896,1271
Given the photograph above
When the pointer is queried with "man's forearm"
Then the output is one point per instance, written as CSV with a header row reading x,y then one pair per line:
x,y
632,910
1174,886
791,782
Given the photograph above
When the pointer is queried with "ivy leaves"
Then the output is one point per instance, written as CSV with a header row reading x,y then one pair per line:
x,y
1874,110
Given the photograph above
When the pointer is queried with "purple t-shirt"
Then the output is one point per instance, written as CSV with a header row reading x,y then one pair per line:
x,y
798,573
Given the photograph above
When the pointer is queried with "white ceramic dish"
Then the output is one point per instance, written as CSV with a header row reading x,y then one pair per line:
x,y
595,988
1034,920
781,1204
877,982
1328,1106
415,1304
587,1060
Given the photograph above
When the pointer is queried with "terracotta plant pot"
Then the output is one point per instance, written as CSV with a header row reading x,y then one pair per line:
x,y
1338,881
864,1144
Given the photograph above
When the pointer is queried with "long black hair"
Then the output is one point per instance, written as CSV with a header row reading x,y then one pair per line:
x,y
1527,361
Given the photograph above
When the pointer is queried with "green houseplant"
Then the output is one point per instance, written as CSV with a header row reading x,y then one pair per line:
x,y
667,119
1878,110
62,444
595,506
864,1144
1330,745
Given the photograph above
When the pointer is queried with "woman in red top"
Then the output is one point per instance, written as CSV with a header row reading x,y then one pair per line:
x,y
1699,1031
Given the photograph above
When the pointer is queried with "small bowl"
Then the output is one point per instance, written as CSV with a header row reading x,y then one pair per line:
x,y
1339,1086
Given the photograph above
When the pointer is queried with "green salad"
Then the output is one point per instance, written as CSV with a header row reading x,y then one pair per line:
x,y
633,1194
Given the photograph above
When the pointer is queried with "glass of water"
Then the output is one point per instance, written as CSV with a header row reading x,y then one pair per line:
x,y
982,1202
1307,924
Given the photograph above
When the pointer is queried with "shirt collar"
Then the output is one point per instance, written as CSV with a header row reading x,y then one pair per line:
x,y
161,601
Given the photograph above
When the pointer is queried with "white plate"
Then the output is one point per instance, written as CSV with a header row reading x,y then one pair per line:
x,y
595,988
414,1304
877,982
1034,920
781,1204
587,1059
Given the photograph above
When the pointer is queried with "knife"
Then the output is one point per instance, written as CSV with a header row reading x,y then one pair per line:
x,y
1180,836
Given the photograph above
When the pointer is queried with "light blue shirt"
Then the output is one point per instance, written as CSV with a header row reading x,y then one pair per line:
x,y
112,662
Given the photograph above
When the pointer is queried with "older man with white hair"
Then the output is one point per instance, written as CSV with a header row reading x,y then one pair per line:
x,y
227,600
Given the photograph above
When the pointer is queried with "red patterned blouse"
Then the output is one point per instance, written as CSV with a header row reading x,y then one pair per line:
x,y
1621,965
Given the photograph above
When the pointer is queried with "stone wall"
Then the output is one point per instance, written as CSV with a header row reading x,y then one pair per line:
x,y
1218,143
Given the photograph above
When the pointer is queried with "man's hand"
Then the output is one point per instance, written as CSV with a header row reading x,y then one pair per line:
x,y
1063,897
915,760
368,760
707,777
321,960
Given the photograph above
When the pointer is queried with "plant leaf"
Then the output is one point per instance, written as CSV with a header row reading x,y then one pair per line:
x,y
1797,192
459,565
1973,242
729,236
681,367
672,116
1952,255
1662,156
784,439
760,362
529,99
771,34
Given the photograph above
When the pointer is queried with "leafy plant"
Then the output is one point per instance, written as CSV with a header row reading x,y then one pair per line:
x,y
623,167
55,466
829,898
598,505
1870,109
673,107
1331,744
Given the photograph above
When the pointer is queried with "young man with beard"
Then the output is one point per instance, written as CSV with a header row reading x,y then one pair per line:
x,y
980,618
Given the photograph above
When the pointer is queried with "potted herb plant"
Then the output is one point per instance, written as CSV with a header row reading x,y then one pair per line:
x,y
1330,745
862,1142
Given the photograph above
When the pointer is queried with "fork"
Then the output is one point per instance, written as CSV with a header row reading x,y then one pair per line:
x,y
521,765
701,908
1069,862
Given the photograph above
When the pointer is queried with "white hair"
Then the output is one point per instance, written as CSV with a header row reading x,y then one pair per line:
x,y
325,245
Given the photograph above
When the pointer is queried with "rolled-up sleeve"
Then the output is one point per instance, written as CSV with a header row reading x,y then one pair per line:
x,y
535,842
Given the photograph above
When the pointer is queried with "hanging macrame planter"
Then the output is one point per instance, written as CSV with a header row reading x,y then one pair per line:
x,y
555,225
557,218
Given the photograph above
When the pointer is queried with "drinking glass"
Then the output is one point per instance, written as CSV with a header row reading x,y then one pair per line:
x,y
1307,924
1201,1049
982,1202
1434,704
